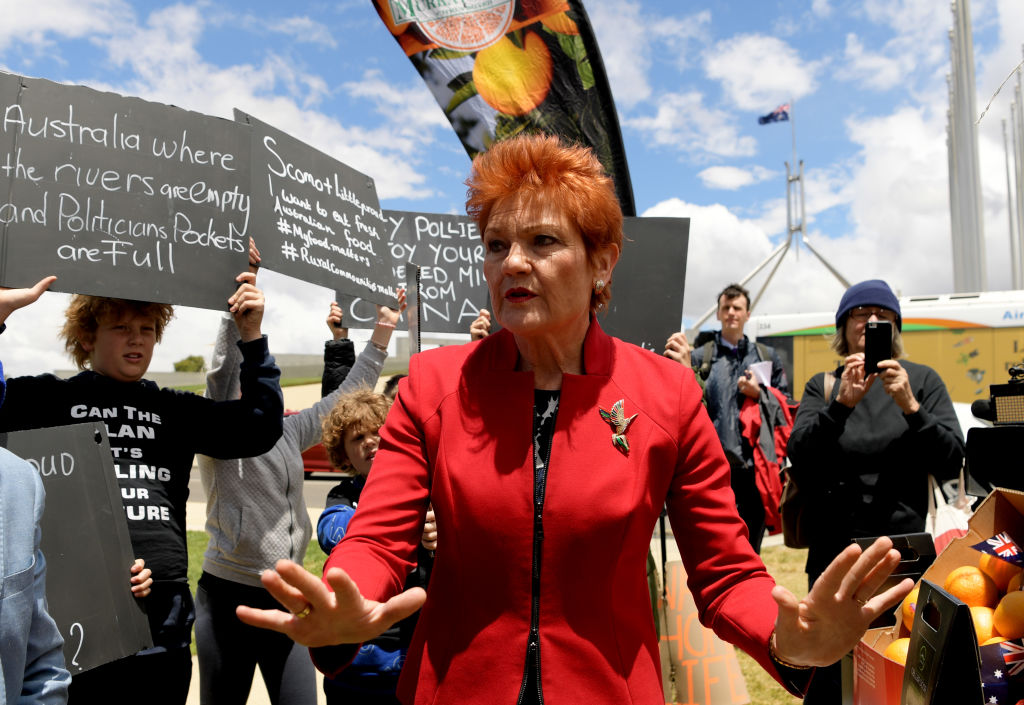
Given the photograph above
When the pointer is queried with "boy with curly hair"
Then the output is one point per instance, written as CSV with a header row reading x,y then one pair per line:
x,y
350,438
154,434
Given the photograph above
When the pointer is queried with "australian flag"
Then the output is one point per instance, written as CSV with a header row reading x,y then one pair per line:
x,y
778,115
1002,666
1002,546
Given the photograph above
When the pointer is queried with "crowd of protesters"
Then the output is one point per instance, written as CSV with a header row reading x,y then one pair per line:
x,y
497,550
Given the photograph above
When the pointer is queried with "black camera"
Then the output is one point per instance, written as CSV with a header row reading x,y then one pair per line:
x,y
1005,405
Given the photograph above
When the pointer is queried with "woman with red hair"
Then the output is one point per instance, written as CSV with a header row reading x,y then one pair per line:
x,y
548,450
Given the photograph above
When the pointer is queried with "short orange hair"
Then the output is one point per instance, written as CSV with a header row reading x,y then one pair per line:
x,y
84,313
361,409
542,166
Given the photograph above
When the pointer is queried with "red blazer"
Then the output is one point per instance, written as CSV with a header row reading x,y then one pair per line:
x,y
460,435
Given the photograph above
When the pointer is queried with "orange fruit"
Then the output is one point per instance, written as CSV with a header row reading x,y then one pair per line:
x,y
994,640
897,650
560,23
983,627
909,606
511,80
973,587
999,570
1014,583
1009,615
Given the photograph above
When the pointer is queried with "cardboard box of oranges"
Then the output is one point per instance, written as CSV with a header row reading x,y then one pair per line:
x,y
989,587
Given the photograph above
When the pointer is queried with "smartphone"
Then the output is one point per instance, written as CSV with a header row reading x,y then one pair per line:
x,y
877,344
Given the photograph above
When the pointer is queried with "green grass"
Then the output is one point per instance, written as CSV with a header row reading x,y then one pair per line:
x,y
197,541
786,565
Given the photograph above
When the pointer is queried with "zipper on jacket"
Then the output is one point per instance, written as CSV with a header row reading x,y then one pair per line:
x,y
533,643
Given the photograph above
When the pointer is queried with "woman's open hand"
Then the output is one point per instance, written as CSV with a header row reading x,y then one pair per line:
x,y
828,623
327,618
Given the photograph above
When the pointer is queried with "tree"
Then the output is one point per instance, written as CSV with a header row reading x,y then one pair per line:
x,y
192,363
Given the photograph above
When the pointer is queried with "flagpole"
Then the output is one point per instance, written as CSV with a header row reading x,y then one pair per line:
x,y
792,129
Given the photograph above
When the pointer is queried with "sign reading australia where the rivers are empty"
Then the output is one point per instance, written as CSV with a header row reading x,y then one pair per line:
x,y
119,196
317,219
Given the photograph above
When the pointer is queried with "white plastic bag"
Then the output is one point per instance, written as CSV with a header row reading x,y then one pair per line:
x,y
946,520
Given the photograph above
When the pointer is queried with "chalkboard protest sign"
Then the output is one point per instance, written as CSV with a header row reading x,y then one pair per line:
x,y
647,285
86,544
120,197
450,255
315,218
647,301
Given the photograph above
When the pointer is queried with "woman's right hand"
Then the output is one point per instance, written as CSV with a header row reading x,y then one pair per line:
x,y
854,384
343,616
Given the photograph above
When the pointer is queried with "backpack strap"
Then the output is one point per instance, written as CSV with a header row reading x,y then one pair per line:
x,y
762,352
830,383
707,352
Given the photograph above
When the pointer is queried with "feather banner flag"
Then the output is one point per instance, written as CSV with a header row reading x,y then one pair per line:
x,y
503,67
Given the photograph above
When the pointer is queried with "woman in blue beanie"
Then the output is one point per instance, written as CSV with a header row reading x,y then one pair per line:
x,y
863,444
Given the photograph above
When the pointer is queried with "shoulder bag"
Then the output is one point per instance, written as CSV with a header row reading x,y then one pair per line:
x,y
796,528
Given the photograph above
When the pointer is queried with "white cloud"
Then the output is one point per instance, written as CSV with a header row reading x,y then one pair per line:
x,y
725,248
683,123
303,29
900,199
821,8
631,40
39,26
871,70
757,72
731,178
625,41
167,67
411,105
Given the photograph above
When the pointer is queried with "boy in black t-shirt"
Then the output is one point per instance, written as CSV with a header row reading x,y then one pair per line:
x,y
154,434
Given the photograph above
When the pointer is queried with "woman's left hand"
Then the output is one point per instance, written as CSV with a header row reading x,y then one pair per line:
x,y
897,385
824,626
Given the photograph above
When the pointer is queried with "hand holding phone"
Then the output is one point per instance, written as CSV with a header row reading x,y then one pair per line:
x,y
877,344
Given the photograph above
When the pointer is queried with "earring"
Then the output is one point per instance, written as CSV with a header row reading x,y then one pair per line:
x,y
598,285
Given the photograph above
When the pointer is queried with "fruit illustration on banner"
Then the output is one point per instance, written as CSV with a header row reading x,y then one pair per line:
x,y
470,30
514,79
560,23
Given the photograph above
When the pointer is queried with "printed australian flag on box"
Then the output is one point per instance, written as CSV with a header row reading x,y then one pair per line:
x,y
1002,672
1002,546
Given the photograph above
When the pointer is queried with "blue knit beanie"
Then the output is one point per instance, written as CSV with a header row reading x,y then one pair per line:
x,y
873,292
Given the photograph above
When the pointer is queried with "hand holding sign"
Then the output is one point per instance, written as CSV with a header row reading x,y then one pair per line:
x,y
335,322
142,579
246,305
481,327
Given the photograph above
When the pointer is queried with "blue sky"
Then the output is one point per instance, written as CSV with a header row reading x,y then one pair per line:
x,y
867,78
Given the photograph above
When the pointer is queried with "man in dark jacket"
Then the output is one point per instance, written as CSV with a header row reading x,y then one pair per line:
x,y
724,367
